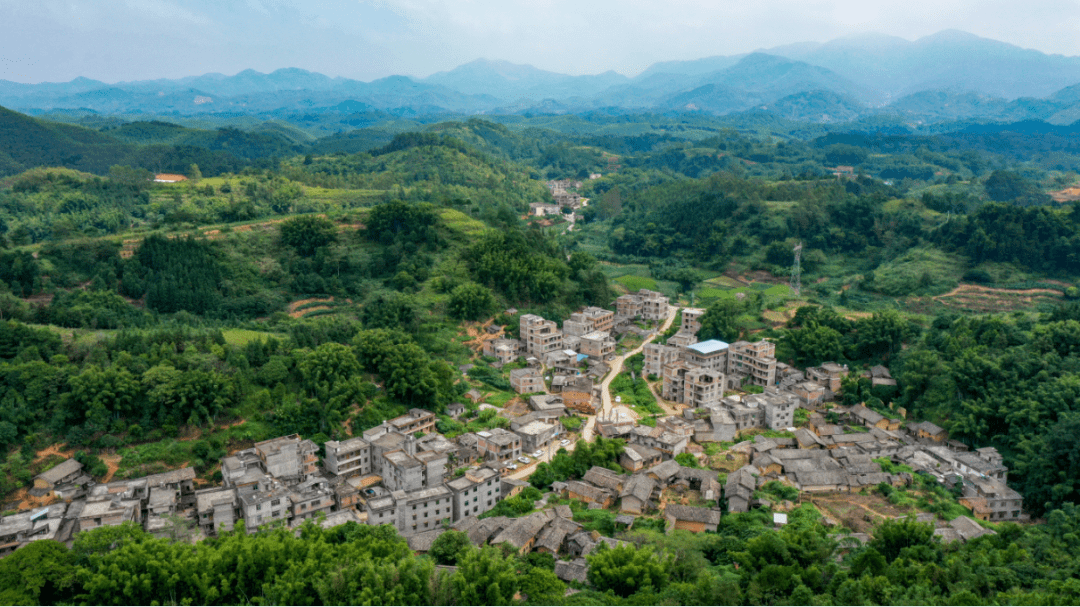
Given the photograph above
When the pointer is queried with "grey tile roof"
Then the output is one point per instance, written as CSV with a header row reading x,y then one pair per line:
x,y
710,517
60,471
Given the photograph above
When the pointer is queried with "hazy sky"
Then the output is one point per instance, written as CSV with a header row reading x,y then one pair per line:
x,y
114,40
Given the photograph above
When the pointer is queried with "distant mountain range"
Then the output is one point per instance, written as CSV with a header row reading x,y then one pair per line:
x,y
951,75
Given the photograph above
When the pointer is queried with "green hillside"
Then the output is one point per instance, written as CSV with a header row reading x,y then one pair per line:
x,y
27,143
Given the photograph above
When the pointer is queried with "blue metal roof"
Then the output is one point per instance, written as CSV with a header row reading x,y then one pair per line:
x,y
709,347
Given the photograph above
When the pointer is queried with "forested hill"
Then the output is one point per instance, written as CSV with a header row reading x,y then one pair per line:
x,y
27,143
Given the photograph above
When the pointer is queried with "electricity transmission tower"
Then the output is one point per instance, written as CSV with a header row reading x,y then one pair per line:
x,y
796,271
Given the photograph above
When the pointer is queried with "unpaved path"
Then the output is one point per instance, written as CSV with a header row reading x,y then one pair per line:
x,y
113,464
588,427
616,368
968,289
53,450
669,408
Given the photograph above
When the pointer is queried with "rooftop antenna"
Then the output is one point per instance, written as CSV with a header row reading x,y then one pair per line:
x,y
796,271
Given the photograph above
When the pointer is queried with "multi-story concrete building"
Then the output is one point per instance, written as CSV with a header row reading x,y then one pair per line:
x,y
288,459
744,416
778,408
598,344
402,472
505,350
537,434
756,362
381,510
498,446
695,387
424,510
218,508
475,493
540,336
691,320
311,498
645,304
656,356
350,457
416,420
527,380
828,375
711,354
628,306
674,374
265,504
242,469
588,320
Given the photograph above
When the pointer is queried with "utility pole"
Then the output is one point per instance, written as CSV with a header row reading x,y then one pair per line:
x,y
796,271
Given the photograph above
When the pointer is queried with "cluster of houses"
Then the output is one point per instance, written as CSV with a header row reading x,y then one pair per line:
x,y
83,505
566,197
553,530
401,472
576,355
404,473
825,457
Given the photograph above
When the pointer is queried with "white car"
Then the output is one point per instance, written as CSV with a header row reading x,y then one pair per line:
x,y
523,460
512,467
564,442
537,454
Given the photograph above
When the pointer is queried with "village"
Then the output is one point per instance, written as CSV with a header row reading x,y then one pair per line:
x,y
716,396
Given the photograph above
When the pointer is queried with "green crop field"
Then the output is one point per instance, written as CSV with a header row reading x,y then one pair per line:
x,y
636,283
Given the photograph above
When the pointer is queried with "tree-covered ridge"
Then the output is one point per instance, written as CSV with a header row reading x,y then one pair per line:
x,y
428,167
714,219
1008,381
1011,382
27,143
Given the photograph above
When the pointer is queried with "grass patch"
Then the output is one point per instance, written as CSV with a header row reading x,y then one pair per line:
x,y
635,393
636,283
917,272
462,223
500,398
242,337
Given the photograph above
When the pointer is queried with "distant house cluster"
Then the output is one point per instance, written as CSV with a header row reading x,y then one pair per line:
x,y
565,193
146,501
566,197
553,531
573,355
402,472
827,457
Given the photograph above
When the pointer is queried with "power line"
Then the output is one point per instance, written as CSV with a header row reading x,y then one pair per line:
x,y
796,271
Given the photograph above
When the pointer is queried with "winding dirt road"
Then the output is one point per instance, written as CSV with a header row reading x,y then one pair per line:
x,y
587,429
616,368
